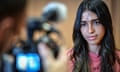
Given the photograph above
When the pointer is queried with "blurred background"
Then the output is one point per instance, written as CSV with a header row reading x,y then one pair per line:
x,y
35,8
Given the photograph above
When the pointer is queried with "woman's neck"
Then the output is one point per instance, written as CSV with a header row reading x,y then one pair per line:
x,y
94,49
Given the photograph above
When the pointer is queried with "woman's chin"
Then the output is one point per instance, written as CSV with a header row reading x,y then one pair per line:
x,y
94,42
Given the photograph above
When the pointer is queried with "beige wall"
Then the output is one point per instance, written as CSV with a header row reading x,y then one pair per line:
x,y
116,20
35,8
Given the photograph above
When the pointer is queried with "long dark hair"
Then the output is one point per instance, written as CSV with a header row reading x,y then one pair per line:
x,y
107,50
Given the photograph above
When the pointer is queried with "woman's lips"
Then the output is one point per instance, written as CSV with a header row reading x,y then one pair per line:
x,y
92,37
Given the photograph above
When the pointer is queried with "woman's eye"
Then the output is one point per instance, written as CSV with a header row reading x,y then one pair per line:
x,y
83,24
96,22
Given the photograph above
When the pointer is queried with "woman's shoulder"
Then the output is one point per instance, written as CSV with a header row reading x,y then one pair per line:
x,y
117,63
70,55
117,51
69,52
118,55
70,61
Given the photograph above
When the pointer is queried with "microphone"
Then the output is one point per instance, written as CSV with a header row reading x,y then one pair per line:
x,y
54,11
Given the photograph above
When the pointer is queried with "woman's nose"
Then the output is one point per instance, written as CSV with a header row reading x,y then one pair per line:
x,y
91,29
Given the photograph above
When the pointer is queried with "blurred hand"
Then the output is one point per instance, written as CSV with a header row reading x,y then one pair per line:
x,y
50,63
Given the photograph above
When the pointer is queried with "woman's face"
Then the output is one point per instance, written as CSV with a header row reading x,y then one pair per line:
x,y
91,28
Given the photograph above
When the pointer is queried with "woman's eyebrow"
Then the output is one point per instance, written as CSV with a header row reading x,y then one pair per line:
x,y
82,22
95,19
90,20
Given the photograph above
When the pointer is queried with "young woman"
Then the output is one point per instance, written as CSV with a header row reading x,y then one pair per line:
x,y
94,46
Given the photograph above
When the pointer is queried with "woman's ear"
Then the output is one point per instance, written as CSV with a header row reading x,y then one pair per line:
x,y
6,23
